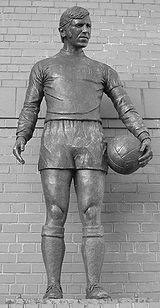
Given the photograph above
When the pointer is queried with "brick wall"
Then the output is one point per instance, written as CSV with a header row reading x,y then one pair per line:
x,y
126,36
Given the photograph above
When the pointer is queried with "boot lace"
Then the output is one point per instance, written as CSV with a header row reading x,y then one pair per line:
x,y
54,286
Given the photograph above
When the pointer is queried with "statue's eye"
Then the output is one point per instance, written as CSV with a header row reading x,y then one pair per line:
x,y
79,25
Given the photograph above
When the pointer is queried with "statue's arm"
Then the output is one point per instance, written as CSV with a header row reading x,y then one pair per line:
x,y
128,113
29,113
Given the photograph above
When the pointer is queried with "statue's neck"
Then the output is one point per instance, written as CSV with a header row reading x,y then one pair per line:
x,y
72,50
77,53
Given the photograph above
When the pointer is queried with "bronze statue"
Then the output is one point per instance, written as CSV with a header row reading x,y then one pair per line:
x,y
72,145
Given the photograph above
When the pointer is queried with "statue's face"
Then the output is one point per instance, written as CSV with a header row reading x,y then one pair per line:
x,y
78,32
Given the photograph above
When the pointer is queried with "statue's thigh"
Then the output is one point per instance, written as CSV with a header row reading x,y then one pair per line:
x,y
56,187
89,186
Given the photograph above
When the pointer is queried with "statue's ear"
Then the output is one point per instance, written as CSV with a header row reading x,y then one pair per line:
x,y
62,32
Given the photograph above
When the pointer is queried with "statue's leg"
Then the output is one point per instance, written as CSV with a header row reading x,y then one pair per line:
x,y
56,188
89,186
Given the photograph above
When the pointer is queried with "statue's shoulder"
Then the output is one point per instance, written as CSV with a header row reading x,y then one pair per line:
x,y
100,65
41,64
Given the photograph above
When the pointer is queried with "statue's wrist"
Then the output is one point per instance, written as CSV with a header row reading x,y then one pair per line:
x,y
22,138
143,136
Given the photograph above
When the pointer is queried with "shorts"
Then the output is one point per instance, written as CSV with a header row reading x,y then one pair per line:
x,y
72,144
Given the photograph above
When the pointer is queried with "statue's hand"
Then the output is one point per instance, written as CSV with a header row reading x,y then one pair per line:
x,y
147,152
18,148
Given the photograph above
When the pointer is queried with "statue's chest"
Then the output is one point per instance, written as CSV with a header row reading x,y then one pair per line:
x,y
73,71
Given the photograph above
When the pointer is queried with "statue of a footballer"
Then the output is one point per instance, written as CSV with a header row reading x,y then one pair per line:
x,y
72,145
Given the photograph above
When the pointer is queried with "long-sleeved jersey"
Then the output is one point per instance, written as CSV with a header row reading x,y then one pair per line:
x,y
73,86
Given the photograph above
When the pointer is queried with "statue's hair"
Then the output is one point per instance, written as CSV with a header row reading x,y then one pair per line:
x,y
75,12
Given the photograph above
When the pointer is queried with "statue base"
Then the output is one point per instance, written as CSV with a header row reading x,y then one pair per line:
x,y
81,303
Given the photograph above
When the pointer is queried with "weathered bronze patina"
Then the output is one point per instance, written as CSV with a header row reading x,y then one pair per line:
x,y
72,144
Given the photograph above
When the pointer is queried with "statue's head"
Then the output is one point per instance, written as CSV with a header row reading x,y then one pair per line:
x,y
75,26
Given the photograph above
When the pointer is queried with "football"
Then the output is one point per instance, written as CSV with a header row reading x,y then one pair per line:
x,y
123,153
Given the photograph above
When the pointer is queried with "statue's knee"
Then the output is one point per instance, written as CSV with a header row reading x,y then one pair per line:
x,y
55,213
92,213
54,222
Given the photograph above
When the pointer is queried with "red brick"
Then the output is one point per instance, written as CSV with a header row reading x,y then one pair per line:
x,y
4,289
142,237
123,187
6,108
112,247
141,277
3,248
17,208
4,60
30,178
5,208
126,247
17,187
154,196
138,217
36,228
150,207
29,258
31,218
7,258
141,197
16,289
29,248
32,208
154,178
8,279
30,168
16,228
38,268
141,247
7,238
21,197
74,289
16,268
148,187
31,238
20,3
28,279
127,267
154,247
15,248
141,257
126,227
7,177
75,268
154,85
4,3
152,227
151,95
113,217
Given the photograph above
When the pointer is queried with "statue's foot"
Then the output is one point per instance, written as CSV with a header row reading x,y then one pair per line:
x,y
53,291
96,292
